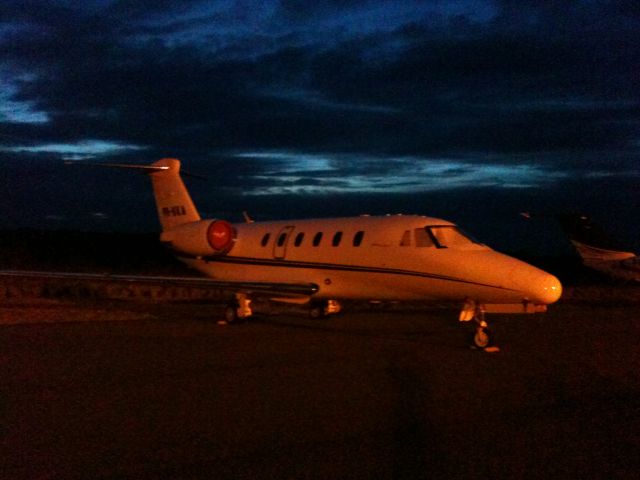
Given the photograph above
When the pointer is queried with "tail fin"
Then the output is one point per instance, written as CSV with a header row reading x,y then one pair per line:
x,y
173,201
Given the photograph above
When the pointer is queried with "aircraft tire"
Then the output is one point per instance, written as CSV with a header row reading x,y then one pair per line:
x,y
482,338
231,314
316,311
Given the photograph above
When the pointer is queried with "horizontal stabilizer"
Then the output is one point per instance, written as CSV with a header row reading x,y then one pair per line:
x,y
132,166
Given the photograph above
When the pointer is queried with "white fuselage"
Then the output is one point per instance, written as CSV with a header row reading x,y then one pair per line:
x,y
378,258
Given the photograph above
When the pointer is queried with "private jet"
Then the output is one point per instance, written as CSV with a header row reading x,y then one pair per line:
x,y
324,262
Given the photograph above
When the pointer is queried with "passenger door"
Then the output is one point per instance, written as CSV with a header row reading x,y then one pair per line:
x,y
280,244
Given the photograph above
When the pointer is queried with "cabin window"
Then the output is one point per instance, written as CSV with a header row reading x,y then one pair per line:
x,y
357,238
317,239
405,241
449,237
282,238
265,239
423,239
336,239
298,241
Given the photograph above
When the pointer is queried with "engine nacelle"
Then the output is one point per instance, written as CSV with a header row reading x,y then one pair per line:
x,y
202,238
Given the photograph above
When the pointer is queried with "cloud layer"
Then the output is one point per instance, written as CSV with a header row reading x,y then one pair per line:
x,y
293,97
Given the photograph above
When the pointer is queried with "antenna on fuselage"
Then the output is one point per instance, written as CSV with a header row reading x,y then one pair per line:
x,y
247,218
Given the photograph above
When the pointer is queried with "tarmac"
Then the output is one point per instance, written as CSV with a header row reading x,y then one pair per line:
x,y
104,389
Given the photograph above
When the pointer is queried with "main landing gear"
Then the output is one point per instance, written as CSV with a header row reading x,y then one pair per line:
x,y
320,309
482,337
238,309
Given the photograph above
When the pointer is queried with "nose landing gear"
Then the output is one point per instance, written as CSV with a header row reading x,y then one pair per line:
x,y
482,338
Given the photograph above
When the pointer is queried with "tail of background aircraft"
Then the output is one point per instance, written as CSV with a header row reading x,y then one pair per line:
x,y
173,201
596,249
590,241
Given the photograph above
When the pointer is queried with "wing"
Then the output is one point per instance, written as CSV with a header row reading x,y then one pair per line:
x,y
264,288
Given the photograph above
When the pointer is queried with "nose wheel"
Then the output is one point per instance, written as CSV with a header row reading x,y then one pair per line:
x,y
481,338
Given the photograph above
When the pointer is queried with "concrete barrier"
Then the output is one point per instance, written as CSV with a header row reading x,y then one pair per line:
x,y
27,288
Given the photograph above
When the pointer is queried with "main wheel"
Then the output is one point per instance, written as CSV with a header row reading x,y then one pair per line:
x,y
231,313
482,338
316,311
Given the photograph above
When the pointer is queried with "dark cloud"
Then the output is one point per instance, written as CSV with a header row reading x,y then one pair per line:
x,y
481,94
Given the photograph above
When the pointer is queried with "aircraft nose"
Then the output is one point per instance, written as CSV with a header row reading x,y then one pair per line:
x,y
546,289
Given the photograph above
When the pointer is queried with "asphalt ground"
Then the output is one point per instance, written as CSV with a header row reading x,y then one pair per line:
x,y
114,390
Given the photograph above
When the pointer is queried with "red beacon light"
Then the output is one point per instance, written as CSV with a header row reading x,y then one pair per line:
x,y
220,236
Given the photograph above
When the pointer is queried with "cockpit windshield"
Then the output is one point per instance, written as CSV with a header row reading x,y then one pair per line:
x,y
449,236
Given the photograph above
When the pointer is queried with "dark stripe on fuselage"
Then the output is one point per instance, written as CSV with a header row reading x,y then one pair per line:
x,y
269,262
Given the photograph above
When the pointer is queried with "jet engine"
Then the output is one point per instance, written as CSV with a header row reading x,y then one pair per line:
x,y
201,239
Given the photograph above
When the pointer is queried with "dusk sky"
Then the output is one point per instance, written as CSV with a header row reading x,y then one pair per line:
x,y
467,110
